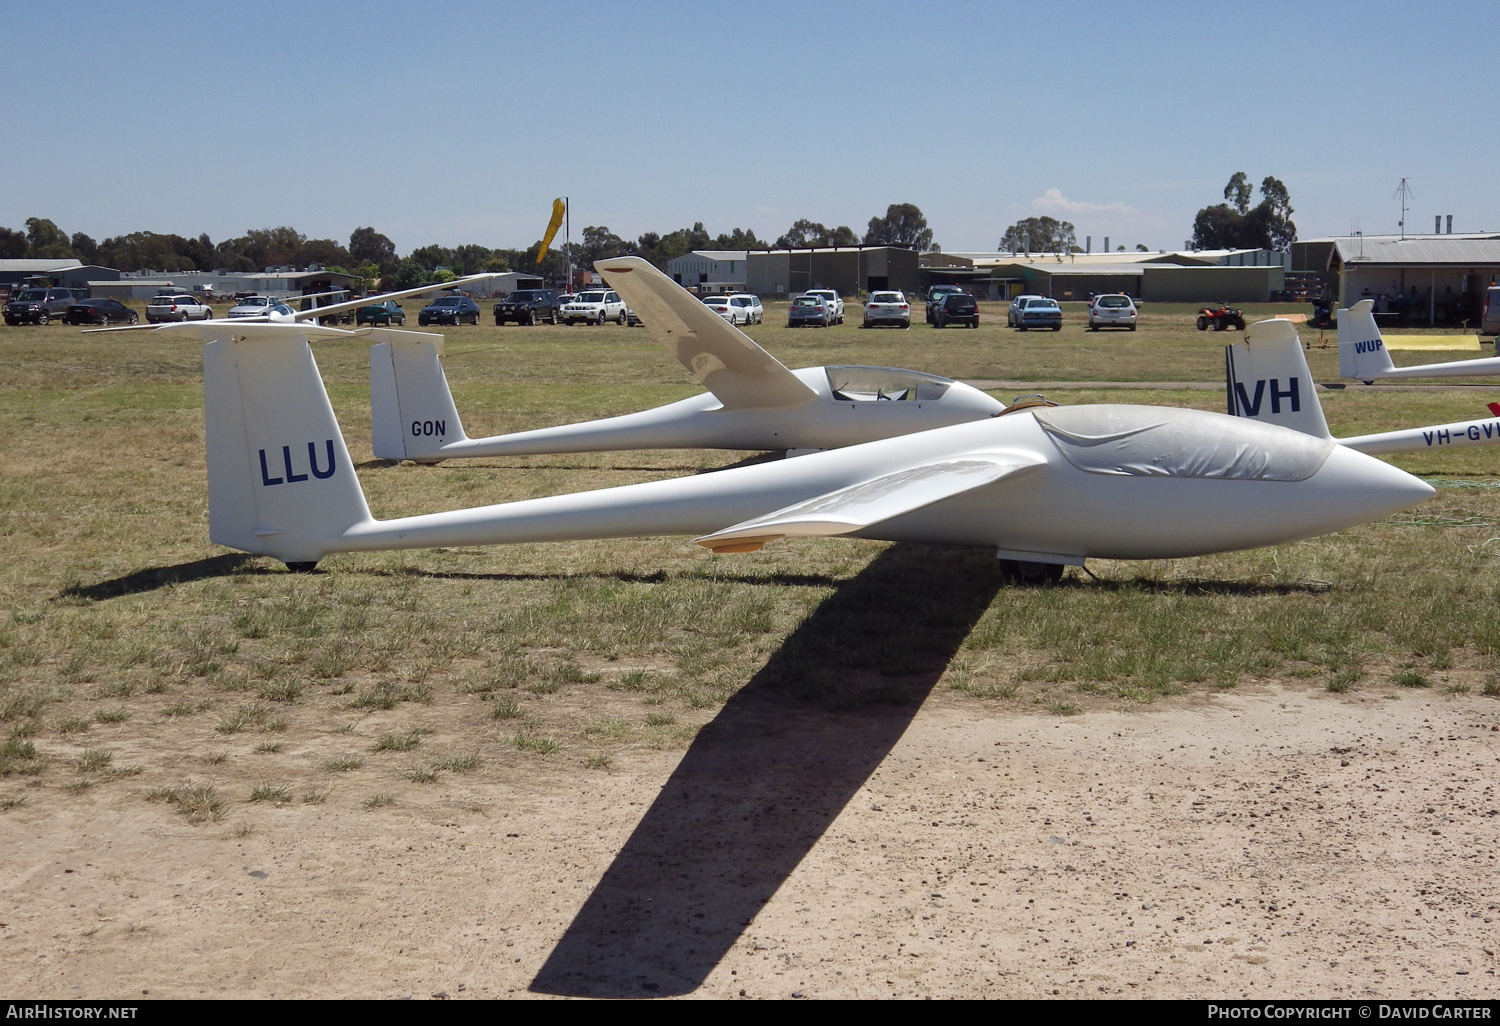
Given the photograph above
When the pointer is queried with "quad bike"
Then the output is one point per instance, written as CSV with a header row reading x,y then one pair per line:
x,y
1221,317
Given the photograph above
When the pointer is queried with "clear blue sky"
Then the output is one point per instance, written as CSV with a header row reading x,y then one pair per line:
x,y
438,127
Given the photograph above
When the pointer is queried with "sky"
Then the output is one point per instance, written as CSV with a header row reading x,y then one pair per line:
x,y
460,124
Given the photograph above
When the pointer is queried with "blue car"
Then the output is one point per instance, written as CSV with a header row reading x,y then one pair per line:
x,y
1039,313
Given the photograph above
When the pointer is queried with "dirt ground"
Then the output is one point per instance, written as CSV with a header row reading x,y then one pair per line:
x,y
1265,843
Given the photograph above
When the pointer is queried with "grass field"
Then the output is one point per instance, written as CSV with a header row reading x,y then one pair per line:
x,y
136,656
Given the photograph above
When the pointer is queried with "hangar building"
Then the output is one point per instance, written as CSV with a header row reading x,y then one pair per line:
x,y
849,269
1421,279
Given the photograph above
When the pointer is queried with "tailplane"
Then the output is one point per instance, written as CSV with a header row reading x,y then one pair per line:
x,y
280,480
1362,351
1266,378
411,406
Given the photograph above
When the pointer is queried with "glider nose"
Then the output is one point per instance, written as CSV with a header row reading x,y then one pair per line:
x,y
1370,488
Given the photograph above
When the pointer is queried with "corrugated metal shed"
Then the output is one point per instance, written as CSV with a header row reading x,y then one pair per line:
x,y
1434,249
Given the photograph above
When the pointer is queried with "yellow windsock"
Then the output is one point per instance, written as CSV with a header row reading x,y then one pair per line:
x,y
558,210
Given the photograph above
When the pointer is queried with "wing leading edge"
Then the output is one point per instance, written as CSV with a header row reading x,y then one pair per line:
x,y
871,502
722,358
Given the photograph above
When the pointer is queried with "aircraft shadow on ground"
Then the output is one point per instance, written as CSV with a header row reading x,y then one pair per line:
x,y
156,577
763,781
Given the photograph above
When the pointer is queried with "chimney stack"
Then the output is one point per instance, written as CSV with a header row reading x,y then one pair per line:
x,y
1437,224
1088,243
1106,244
1450,224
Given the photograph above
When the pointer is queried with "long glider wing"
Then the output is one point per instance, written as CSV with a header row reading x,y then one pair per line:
x,y
722,358
870,502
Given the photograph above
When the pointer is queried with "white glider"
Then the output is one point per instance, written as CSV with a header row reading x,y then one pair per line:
x,y
1363,355
752,402
1266,378
1043,487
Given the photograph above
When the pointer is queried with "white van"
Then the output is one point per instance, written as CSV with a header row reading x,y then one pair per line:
x,y
1489,324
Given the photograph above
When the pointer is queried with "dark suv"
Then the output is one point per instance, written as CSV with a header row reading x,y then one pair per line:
x,y
449,310
528,306
955,308
38,306
935,296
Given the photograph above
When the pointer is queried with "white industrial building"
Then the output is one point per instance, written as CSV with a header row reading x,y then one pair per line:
x,y
710,270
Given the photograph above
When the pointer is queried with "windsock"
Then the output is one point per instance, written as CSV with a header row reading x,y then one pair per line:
x,y
558,210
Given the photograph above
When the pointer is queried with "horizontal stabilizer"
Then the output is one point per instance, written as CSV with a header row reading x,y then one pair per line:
x,y
722,358
870,502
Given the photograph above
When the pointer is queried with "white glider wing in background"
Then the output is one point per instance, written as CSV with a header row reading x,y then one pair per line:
x,y
1266,378
1363,355
718,355
753,401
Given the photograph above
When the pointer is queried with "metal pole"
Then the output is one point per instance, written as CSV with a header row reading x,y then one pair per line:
x,y
568,239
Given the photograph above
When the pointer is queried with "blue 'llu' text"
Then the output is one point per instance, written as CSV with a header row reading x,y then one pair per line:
x,y
290,475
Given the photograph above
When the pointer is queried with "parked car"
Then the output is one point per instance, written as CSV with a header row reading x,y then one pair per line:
x,y
251,306
1039,312
387,313
1111,312
1013,314
594,308
178,306
528,306
1489,320
833,301
809,309
632,318
887,308
752,302
956,308
38,306
100,311
733,309
453,310
343,317
935,296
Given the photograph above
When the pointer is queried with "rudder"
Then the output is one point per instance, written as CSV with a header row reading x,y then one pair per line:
x,y
280,480
1362,351
1266,378
411,407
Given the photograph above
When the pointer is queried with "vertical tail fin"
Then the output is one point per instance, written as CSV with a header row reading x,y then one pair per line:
x,y
280,480
1362,352
411,407
1266,378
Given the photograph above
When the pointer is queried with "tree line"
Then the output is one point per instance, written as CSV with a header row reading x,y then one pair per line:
x,y
372,255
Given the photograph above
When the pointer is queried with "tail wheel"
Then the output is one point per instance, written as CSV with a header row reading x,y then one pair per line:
x,y
1020,572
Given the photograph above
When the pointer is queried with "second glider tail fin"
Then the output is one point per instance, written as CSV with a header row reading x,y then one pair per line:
x,y
1362,351
411,407
722,358
1266,378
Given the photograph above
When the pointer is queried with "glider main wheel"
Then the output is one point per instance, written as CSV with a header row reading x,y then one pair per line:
x,y
1030,575
302,568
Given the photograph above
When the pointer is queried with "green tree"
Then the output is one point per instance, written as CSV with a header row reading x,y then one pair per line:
x,y
86,248
740,238
1238,192
47,239
804,234
13,245
1040,235
1268,225
599,243
902,225
366,245
660,248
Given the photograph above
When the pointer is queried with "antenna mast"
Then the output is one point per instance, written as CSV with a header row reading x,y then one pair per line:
x,y
1404,193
